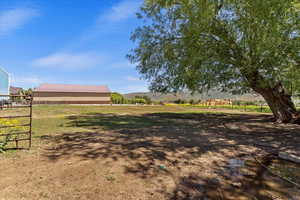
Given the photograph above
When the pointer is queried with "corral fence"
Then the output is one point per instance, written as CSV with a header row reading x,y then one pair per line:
x,y
240,105
15,120
252,105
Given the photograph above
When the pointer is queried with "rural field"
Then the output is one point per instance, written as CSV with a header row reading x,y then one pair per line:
x,y
150,152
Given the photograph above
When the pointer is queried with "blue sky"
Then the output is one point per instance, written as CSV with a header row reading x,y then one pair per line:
x,y
70,42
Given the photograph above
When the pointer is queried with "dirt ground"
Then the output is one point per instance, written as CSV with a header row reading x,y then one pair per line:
x,y
145,154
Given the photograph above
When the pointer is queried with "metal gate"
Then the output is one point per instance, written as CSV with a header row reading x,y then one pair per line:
x,y
12,109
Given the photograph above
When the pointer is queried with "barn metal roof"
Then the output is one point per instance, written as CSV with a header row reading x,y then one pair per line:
x,y
72,88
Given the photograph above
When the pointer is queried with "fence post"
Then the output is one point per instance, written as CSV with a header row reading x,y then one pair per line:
x,y
30,128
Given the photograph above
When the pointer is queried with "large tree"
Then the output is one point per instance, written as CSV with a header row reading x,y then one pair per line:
x,y
232,45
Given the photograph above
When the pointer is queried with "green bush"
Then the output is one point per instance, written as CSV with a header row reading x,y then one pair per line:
x,y
117,98
146,98
180,101
7,131
139,101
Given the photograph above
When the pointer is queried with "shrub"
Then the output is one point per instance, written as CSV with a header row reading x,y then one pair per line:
x,y
4,140
180,101
117,98
146,98
139,101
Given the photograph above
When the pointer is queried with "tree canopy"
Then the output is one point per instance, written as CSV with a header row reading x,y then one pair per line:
x,y
233,45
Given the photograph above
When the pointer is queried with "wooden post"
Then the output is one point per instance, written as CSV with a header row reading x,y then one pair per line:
x,y
30,127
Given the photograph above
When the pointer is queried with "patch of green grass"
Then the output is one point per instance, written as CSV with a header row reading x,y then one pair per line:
x,y
53,120
114,121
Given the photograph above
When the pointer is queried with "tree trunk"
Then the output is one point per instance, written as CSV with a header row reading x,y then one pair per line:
x,y
280,103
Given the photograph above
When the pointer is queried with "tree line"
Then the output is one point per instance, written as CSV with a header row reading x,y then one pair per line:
x,y
118,98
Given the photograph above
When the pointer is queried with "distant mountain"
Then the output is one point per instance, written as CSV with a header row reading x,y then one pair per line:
x,y
187,96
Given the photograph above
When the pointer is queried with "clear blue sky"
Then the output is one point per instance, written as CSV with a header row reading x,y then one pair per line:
x,y
69,41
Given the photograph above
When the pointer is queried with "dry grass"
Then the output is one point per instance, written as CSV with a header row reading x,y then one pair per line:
x,y
168,153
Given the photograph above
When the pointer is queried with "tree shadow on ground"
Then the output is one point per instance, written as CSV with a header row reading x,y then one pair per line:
x,y
256,183
176,147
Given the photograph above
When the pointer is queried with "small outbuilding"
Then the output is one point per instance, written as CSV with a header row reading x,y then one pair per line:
x,y
15,90
71,94
4,82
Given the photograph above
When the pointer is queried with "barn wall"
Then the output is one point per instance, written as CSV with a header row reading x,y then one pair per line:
x,y
71,102
71,98
70,94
